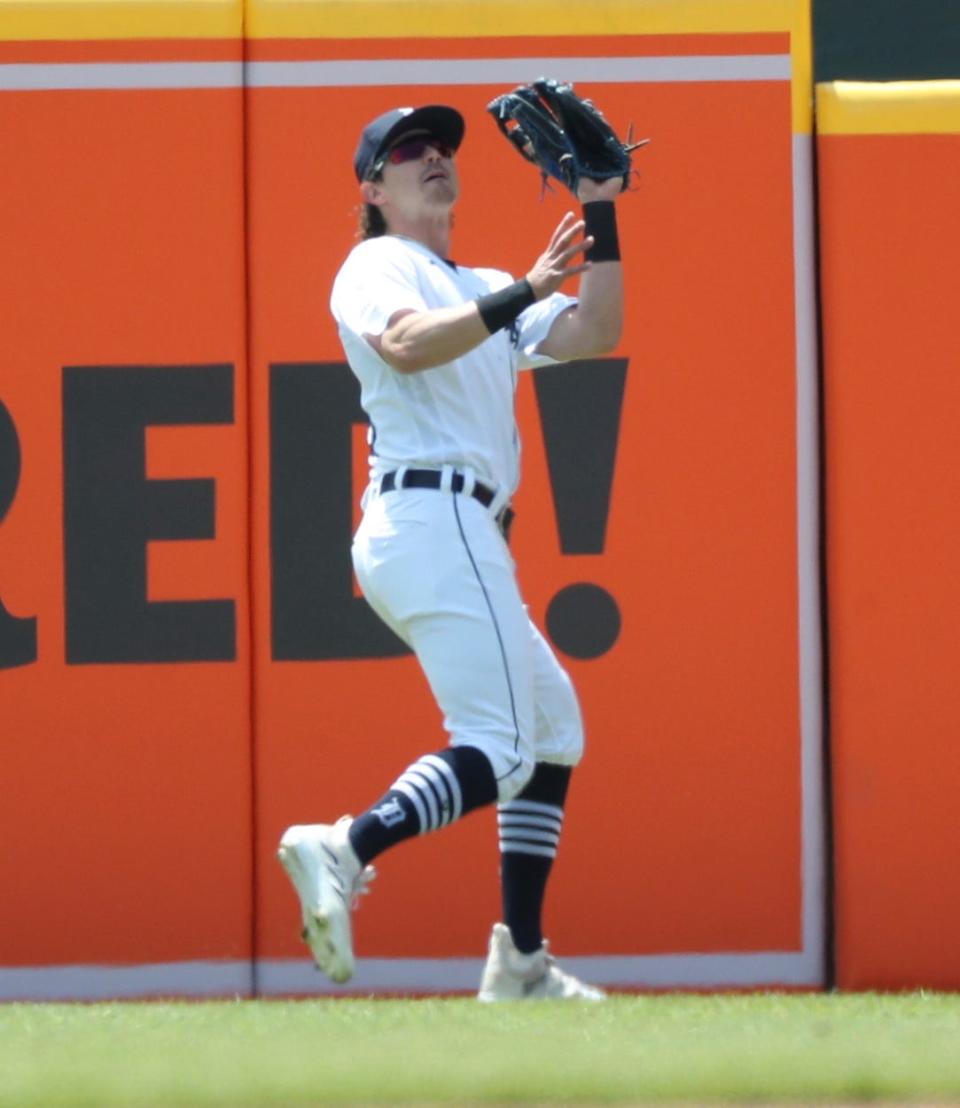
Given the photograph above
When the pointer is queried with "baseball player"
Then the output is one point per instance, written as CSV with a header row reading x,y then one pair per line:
x,y
437,347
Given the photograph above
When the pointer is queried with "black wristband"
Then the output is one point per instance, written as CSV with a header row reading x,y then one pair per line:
x,y
500,309
600,219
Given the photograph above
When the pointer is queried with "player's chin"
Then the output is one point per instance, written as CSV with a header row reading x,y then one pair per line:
x,y
440,190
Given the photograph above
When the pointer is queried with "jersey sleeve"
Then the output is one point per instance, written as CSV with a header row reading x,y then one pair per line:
x,y
532,327
375,282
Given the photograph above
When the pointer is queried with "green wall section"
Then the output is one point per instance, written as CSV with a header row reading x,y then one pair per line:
x,y
886,40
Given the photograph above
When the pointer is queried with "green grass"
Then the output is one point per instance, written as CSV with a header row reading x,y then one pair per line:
x,y
762,1048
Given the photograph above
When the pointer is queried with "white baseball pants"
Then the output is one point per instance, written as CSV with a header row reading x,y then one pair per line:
x,y
434,566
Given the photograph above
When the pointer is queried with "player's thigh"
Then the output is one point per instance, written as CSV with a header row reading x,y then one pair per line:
x,y
474,645
394,554
558,721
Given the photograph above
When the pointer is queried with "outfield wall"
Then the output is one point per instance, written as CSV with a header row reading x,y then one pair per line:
x,y
889,166
186,665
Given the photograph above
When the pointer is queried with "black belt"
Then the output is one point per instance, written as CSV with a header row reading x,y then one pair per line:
x,y
432,479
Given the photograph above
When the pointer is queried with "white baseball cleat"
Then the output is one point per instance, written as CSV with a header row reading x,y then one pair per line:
x,y
510,975
328,878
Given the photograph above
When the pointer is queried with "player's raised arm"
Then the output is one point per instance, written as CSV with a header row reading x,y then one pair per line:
x,y
593,326
568,138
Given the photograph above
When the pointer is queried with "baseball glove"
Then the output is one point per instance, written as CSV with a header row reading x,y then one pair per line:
x,y
563,135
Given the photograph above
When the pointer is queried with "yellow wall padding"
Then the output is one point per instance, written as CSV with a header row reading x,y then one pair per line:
x,y
443,18
888,108
67,20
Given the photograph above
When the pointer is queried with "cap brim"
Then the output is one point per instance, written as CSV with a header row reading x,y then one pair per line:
x,y
444,123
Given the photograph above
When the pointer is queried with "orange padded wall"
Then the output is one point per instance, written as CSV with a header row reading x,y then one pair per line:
x,y
889,163
159,221
124,687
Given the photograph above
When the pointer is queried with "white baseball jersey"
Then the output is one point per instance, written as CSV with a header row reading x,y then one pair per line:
x,y
460,413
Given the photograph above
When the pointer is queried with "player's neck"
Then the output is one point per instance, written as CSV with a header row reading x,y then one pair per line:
x,y
431,231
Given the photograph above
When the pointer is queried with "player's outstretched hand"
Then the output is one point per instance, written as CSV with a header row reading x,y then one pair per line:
x,y
553,266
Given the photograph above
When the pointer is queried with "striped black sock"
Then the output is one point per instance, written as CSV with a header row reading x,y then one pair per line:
x,y
530,826
433,792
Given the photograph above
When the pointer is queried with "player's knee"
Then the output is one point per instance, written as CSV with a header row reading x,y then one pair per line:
x,y
511,759
561,738
572,751
566,746
516,777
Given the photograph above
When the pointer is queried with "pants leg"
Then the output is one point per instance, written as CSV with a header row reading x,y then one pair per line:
x,y
436,569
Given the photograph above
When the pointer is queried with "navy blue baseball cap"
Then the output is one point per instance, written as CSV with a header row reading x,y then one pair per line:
x,y
443,123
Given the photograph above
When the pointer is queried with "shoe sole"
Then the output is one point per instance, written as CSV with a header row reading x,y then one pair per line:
x,y
317,924
588,998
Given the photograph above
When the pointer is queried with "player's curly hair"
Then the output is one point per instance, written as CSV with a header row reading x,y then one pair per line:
x,y
371,223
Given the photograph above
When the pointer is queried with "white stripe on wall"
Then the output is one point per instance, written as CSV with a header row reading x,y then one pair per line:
x,y
499,71
48,76
298,977
281,977
53,76
224,978
808,559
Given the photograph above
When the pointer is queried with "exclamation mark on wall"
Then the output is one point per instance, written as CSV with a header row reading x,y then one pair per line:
x,y
580,406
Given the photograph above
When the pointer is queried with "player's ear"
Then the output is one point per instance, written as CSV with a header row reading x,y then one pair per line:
x,y
372,192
